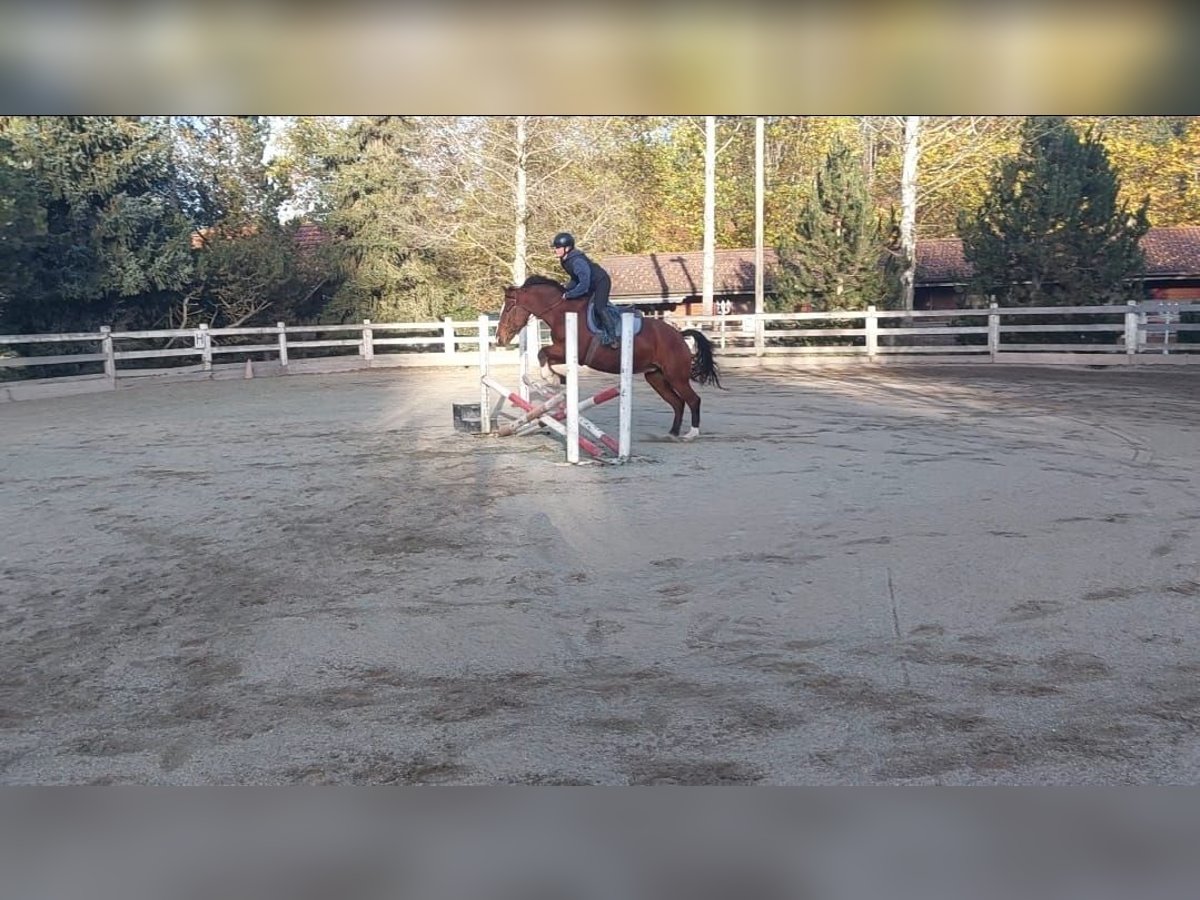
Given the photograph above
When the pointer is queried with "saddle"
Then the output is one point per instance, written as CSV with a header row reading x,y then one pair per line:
x,y
593,323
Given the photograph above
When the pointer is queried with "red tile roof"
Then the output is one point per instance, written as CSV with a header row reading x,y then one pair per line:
x,y
677,275
1170,252
941,261
310,235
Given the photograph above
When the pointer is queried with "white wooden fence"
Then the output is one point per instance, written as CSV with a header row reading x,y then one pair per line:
x,y
1147,333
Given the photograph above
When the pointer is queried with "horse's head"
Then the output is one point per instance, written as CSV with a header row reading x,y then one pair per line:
x,y
536,297
513,316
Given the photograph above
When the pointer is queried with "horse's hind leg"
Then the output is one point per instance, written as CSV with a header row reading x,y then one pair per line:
x,y
679,383
692,399
658,381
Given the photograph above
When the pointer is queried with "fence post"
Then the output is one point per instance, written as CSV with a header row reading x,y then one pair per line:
x,y
448,344
571,342
485,398
993,331
283,361
205,341
1131,331
760,336
625,429
872,324
367,349
110,358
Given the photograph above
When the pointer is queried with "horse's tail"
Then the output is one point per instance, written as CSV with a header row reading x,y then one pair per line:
x,y
704,366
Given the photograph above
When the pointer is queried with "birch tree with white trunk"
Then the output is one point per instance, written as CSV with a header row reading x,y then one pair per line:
x,y
908,209
710,213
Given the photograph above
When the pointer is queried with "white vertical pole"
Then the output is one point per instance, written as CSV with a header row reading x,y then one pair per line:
x,y
758,215
1131,331
368,342
526,353
282,344
993,331
572,348
625,431
872,323
110,357
205,348
448,345
485,398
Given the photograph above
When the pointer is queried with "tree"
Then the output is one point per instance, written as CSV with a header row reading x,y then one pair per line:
x,y
1051,229
835,257
22,227
375,199
908,210
109,243
247,264
1156,157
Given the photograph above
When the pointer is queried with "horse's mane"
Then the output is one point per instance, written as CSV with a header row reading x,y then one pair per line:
x,y
542,281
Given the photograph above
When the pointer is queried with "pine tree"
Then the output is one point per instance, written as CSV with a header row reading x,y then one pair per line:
x,y
835,257
1051,230
21,229
375,201
111,243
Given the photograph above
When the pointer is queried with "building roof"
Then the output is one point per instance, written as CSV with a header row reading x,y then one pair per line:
x,y
677,275
941,261
310,235
1170,252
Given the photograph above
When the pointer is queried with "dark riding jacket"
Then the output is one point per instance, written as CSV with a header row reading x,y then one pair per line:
x,y
586,277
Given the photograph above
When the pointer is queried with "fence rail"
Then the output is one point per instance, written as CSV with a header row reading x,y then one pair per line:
x,y
1142,333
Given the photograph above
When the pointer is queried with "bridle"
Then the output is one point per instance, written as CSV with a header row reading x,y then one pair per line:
x,y
517,304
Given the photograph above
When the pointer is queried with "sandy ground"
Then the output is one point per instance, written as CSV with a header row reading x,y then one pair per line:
x,y
950,575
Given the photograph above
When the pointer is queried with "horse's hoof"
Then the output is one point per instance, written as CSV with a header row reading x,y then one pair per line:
x,y
691,434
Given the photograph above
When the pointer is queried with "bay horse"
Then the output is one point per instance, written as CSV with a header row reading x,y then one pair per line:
x,y
659,350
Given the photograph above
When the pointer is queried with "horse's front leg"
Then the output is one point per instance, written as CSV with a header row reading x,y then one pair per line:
x,y
552,354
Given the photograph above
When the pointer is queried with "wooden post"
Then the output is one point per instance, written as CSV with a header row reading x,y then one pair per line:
x,y
485,399
572,348
1131,331
448,344
760,336
205,340
872,325
110,357
283,360
367,350
625,429
993,332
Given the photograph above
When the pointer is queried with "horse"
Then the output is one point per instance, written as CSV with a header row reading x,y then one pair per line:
x,y
659,350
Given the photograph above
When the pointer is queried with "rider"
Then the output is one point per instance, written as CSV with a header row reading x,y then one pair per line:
x,y
587,278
